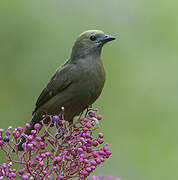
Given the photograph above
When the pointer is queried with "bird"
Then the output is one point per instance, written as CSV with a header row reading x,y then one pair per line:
x,y
77,83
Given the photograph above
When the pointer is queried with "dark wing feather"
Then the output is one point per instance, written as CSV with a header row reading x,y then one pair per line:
x,y
59,81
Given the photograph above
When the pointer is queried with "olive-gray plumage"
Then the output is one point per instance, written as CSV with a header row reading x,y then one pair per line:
x,y
76,84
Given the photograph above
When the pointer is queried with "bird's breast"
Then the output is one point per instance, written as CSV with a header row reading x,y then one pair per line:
x,y
92,80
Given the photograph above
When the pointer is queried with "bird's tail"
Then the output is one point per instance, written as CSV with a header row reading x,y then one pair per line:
x,y
37,117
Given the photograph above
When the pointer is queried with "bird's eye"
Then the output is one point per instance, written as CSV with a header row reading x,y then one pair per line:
x,y
93,37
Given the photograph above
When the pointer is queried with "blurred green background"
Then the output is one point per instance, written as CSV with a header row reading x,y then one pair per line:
x,y
140,100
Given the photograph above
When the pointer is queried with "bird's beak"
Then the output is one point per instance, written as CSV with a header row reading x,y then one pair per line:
x,y
107,38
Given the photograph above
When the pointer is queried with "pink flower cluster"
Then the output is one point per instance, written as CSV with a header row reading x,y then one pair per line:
x,y
60,151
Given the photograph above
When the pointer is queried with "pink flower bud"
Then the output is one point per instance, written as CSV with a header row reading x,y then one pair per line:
x,y
1,130
37,126
33,163
30,138
85,173
93,123
8,132
63,122
28,125
99,117
95,143
33,131
24,177
108,152
55,118
73,153
101,152
42,145
88,125
98,161
83,155
57,159
88,169
91,113
38,138
89,149
93,162
101,135
21,171
48,154
107,156
20,128
93,168
105,148
45,172
43,155
80,150
85,161
87,135
100,140
95,154
16,134
85,119
89,141
41,163
34,143
30,147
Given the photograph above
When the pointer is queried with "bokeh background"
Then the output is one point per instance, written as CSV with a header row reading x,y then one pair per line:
x,y
140,100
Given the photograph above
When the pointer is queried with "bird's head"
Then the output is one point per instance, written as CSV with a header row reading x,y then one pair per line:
x,y
90,43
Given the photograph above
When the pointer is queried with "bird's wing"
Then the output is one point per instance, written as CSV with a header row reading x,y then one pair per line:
x,y
59,81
